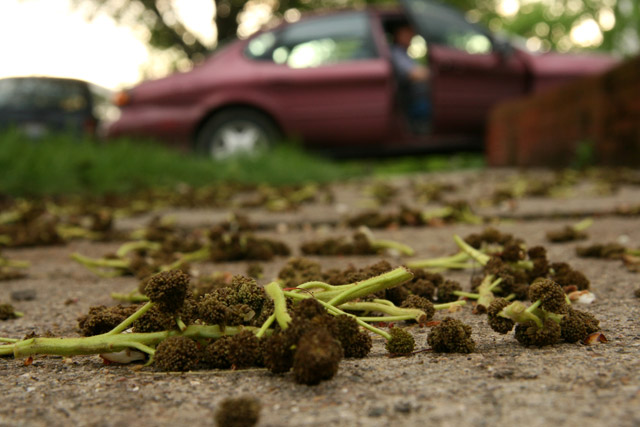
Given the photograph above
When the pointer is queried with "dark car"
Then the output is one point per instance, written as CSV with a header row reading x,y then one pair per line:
x,y
38,105
329,80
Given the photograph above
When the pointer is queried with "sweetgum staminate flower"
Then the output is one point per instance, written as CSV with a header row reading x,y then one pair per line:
x,y
355,343
243,411
499,324
446,289
277,353
576,325
249,292
550,294
155,320
529,334
102,319
317,357
451,336
415,301
168,289
401,342
177,354
7,312
243,350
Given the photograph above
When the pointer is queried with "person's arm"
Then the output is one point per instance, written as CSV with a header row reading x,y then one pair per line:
x,y
407,66
419,73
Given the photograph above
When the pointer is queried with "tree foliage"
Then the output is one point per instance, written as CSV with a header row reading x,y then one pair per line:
x,y
545,24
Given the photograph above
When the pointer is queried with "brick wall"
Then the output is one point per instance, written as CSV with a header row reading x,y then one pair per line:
x,y
546,129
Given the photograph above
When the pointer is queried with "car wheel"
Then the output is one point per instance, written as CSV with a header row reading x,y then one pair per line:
x,y
236,131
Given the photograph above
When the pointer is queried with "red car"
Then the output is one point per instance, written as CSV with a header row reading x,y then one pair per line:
x,y
329,81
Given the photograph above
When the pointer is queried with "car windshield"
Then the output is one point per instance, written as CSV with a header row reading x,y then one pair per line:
x,y
42,94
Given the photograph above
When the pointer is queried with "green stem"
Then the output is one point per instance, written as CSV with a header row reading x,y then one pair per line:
x,y
386,318
445,262
10,216
266,325
398,312
469,217
317,285
336,311
448,305
385,244
554,316
14,264
567,300
199,255
391,244
366,287
100,262
108,343
180,324
125,248
384,301
519,313
482,258
582,225
486,288
129,320
444,212
484,294
10,340
143,348
326,292
524,264
492,285
134,296
534,306
68,232
323,291
470,295
283,318
95,265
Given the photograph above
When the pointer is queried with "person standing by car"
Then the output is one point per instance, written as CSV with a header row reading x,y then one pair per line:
x,y
413,79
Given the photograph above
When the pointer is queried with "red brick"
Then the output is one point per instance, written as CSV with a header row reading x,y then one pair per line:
x,y
545,129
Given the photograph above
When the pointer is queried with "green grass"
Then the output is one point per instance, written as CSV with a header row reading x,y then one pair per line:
x,y
422,163
59,164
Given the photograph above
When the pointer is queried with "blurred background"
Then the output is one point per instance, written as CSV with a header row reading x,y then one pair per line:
x,y
117,43
111,45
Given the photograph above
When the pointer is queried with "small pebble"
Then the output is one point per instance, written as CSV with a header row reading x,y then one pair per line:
x,y
376,411
23,295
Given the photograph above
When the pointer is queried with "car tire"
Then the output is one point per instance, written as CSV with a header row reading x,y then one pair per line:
x,y
236,131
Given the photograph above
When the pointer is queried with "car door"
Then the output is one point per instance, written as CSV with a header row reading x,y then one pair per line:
x,y
471,72
327,74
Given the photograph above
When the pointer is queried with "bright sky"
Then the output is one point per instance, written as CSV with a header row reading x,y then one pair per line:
x,y
46,37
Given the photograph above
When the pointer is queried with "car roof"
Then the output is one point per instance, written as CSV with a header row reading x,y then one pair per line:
x,y
50,78
381,10
43,78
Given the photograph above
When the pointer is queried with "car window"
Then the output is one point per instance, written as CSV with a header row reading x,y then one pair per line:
x,y
443,25
317,42
261,47
40,93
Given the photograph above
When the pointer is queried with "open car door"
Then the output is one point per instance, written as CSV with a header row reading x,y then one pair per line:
x,y
330,79
470,70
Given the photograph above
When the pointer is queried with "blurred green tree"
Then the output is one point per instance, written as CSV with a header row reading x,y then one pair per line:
x,y
542,25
